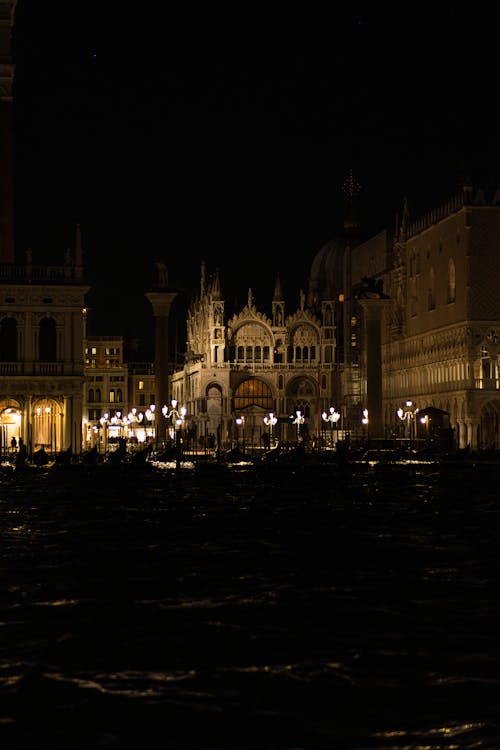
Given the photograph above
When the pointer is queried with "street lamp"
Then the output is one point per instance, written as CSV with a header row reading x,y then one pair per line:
x,y
134,419
333,417
177,416
150,416
299,419
365,421
240,424
270,420
407,415
104,420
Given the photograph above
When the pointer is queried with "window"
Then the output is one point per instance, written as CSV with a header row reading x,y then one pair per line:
x,y
450,297
8,340
47,343
253,393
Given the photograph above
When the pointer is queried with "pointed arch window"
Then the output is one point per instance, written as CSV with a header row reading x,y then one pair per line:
x,y
451,281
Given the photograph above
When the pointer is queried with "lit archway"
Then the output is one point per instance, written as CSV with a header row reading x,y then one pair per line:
x,y
10,424
46,421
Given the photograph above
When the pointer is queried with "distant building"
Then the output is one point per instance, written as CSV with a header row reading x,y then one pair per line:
x,y
41,354
106,390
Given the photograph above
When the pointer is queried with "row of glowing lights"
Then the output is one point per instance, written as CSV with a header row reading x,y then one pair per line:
x,y
270,420
134,417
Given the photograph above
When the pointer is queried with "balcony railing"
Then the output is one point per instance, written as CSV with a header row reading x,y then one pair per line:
x,y
40,369
27,274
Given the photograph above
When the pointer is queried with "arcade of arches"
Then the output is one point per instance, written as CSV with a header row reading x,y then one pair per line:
x,y
40,426
252,400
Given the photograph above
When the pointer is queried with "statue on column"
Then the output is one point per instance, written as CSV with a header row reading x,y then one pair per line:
x,y
161,273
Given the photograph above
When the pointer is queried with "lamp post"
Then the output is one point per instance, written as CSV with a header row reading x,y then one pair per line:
x,y
298,420
333,418
177,416
104,420
270,420
150,416
407,415
134,419
365,421
240,425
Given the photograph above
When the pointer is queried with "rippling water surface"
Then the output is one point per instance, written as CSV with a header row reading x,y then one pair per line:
x,y
306,607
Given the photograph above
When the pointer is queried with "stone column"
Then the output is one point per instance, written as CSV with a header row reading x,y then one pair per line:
x,y
373,309
161,302
7,71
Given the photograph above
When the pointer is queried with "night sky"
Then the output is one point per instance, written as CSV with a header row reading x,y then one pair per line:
x,y
226,135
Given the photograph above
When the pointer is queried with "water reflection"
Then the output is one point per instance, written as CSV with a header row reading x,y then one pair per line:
x,y
250,608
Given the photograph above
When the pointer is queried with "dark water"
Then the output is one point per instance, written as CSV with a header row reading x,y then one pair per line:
x,y
291,608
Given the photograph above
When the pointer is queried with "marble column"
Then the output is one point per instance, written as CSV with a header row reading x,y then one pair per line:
x,y
161,301
373,311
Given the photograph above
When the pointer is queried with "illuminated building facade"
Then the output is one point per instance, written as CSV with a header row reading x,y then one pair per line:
x,y
420,319
238,371
408,318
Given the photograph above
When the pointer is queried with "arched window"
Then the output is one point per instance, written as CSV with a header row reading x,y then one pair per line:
x,y
119,396
47,343
253,392
91,395
450,297
8,340
98,395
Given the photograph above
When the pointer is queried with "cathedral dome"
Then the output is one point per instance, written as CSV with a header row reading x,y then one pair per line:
x,y
326,279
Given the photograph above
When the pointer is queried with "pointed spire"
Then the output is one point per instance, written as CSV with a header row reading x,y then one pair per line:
x,y
250,298
405,220
396,226
215,291
278,294
467,192
203,279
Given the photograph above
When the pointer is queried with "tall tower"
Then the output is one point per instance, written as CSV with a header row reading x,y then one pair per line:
x,y
7,252
161,298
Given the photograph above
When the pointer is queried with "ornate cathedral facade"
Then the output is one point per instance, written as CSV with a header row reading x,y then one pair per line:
x,y
242,370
